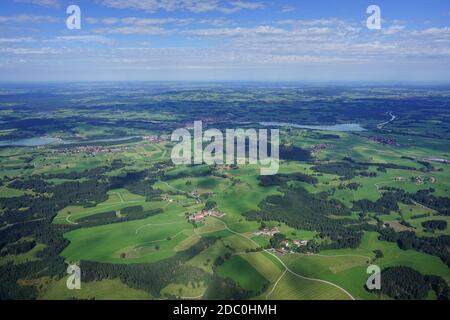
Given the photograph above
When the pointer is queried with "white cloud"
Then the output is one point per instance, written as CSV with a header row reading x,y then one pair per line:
x,y
236,32
29,18
43,3
110,21
16,40
436,31
143,30
34,51
149,26
85,39
91,20
288,8
196,6
135,21
393,29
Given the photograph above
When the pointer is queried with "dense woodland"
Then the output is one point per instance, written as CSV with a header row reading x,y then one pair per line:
x,y
302,210
404,283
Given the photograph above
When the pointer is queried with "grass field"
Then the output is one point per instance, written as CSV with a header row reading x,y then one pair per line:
x,y
99,290
291,287
243,273
146,240
264,264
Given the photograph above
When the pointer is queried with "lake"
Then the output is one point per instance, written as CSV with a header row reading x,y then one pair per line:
x,y
42,141
344,127
29,142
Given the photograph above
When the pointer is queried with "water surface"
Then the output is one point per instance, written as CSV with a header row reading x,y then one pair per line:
x,y
344,127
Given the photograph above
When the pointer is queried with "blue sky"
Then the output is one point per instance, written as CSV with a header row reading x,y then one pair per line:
x,y
314,40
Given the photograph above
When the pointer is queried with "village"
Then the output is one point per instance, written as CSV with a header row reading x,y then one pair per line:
x,y
384,141
152,139
93,150
90,150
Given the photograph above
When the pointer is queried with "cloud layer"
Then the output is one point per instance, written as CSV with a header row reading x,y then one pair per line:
x,y
199,46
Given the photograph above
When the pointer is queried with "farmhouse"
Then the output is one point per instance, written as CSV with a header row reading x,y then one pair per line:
x,y
300,243
166,198
268,232
284,243
199,216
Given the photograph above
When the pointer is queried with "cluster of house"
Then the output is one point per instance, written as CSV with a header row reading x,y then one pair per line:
x,y
270,232
438,160
90,150
166,198
319,147
383,141
199,216
420,180
298,243
152,139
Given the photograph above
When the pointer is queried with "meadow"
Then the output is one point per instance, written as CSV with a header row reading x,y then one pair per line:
x,y
350,196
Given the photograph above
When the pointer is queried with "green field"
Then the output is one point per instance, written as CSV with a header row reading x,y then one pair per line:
x,y
136,239
243,273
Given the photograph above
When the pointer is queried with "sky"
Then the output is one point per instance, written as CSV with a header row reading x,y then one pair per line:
x,y
225,40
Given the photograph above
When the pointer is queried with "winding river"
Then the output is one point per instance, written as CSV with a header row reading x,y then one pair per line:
x,y
381,125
